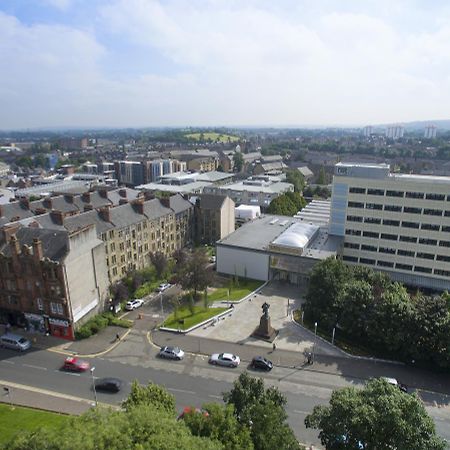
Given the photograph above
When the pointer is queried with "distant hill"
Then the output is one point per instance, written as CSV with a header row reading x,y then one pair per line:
x,y
420,125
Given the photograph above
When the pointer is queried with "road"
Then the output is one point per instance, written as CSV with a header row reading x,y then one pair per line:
x,y
192,381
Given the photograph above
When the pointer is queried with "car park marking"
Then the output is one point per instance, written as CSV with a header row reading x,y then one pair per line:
x,y
182,391
34,367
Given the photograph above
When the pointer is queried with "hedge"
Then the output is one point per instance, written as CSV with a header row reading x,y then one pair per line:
x,y
98,323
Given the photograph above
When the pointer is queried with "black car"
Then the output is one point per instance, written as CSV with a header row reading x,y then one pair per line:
x,y
259,362
108,384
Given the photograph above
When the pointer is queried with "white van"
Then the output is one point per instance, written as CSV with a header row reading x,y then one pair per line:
x,y
14,342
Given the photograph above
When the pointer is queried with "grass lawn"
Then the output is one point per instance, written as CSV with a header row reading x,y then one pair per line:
x,y
245,287
26,419
200,314
215,137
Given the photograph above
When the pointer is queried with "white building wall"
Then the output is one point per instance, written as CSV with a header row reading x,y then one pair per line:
x,y
244,263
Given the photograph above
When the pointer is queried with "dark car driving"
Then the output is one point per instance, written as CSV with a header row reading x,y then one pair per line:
x,y
108,384
261,363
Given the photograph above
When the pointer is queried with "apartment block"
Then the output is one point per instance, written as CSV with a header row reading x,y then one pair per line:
x,y
396,223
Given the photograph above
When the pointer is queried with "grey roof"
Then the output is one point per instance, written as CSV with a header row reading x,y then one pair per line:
x,y
80,221
305,171
114,196
55,244
96,200
214,176
271,158
273,165
179,204
60,203
211,201
154,209
16,211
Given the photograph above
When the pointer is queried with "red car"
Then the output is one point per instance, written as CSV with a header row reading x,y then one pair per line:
x,y
75,365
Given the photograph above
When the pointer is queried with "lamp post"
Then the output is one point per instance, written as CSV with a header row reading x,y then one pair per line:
x,y
161,302
315,339
93,386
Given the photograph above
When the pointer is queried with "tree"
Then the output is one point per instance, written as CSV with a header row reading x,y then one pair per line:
x,y
120,291
322,177
282,206
294,177
160,263
263,410
219,424
143,427
193,274
152,394
238,160
380,416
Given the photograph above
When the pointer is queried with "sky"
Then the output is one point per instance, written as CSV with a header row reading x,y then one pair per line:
x,y
150,63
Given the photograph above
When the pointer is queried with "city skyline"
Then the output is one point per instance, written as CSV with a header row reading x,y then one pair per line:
x,y
138,63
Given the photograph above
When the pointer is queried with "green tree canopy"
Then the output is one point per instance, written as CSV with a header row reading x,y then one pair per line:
x,y
152,394
263,411
238,160
294,177
380,416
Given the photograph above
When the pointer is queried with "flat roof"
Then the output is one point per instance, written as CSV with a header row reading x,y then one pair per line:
x,y
214,176
275,187
175,188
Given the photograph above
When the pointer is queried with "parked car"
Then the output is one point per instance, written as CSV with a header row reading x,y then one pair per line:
x,y
259,362
75,364
212,259
14,342
224,359
133,304
163,286
109,384
171,353
394,382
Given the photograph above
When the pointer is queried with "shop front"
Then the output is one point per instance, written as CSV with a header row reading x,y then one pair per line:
x,y
61,328
35,323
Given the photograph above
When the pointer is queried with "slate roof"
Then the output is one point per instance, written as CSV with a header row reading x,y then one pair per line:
x,y
15,210
179,204
55,244
211,201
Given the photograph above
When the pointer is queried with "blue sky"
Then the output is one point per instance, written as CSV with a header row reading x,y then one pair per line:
x,y
92,63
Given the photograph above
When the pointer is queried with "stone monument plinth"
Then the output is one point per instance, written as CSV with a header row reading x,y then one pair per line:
x,y
265,331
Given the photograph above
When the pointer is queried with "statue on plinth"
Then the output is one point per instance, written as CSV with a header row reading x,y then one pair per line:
x,y
265,330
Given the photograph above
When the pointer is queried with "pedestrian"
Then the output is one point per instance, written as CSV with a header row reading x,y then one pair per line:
x,y
117,337
274,347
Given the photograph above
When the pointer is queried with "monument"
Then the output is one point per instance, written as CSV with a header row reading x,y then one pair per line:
x,y
265,331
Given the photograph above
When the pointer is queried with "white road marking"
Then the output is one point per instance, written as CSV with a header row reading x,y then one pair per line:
x,y
215,396
69,373
297,411
8,362
34,367
181,390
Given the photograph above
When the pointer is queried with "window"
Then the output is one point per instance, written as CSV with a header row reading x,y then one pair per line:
x,y
414,195
403,266
374,206
411,210
446,229
443,258
56,308
354,219
391,223
389,250
395,194
351,245
447,213
410,225
424,255
355,205
391,237
435,196
40,304
385,264
430,226
425,241
369,248
371,234
372,220
405,253
432,212
357,190
422,269
442,273
393,208
375,191
444,243
353,232
367,261
408,239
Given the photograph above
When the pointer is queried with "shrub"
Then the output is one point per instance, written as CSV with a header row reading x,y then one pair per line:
x,y
83,332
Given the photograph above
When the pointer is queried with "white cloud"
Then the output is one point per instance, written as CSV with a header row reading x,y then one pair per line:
x,y
231,63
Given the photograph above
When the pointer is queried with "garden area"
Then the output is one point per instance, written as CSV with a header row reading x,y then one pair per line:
x,y
19,420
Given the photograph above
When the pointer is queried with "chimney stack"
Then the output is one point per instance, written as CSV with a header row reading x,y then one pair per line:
x,y
105,213
88,207
15,246
86,197
123,193
25,202
68,198
123,201
103,193
165,201
47,202
57,217
148,195
37,249
138,205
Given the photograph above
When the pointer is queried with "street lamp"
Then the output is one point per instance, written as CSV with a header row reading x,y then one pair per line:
x,y
315,339
93,386
161,302
8,393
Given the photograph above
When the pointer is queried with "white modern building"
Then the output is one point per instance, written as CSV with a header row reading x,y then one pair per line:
x,y
395,131
396,223
430,132
368,131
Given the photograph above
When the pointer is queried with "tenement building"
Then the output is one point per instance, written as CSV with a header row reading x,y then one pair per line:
x,y
397,223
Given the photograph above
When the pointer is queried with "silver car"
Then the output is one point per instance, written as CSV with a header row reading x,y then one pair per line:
x,y
224,359
133,304
171,353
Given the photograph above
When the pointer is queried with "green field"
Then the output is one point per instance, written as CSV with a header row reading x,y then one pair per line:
x,y
200,314
21,419
214,137
237,293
